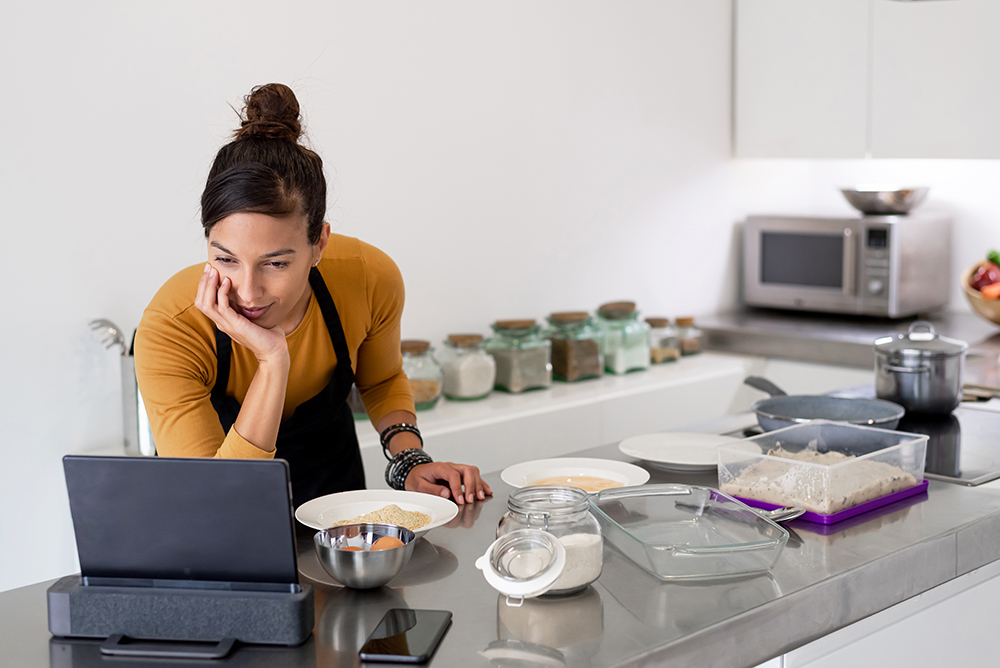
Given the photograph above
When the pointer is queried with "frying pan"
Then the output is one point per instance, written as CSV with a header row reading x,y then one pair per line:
x,y
782,410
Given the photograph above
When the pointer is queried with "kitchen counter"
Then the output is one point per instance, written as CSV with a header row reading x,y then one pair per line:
x,y
828,339
826,579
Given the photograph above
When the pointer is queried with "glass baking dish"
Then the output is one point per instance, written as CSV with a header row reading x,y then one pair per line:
x,y
838,466
687,532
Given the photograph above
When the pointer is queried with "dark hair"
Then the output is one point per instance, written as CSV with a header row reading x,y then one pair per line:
x,y
265,169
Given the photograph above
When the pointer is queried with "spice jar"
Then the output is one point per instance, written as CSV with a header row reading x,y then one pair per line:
x,y
469,371
690,336
522,355
564,513
626,339
576,347
664,344
423,371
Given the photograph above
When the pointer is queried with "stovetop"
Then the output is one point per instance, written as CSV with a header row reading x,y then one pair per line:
x,y
964,447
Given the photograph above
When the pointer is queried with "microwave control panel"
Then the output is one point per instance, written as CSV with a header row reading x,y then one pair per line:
x,y
875,262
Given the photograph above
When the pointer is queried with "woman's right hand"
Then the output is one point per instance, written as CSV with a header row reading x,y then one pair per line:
x,y
212,299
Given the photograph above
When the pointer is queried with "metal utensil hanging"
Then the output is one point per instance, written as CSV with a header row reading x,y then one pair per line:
x,y
138,436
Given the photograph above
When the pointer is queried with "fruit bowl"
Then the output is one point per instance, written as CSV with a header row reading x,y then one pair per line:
x,y
985,308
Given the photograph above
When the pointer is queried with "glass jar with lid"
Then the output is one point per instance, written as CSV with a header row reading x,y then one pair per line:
x,y
564,513
469,371
664,344
690,336
423,372
576,346
522,355
626,338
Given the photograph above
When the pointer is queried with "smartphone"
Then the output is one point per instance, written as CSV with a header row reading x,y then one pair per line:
x,y
406,636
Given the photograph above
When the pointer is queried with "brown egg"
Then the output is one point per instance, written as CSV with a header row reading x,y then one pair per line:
x,y
351,549
387,543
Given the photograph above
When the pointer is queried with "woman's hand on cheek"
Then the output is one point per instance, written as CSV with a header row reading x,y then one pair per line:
x,y
212,299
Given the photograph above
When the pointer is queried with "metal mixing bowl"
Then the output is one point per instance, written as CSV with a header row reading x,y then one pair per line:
x,y
362,570
884,201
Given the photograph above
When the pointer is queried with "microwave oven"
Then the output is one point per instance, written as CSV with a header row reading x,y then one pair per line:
x,y
889,266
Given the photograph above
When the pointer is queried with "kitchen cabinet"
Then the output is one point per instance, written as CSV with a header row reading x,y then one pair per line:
x,y
934,91
865,78
800,78
952,624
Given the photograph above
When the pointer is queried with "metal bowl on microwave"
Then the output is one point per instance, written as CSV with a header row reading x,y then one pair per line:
x,y
884,200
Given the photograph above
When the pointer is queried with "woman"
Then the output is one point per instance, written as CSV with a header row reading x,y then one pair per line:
x,y
253,354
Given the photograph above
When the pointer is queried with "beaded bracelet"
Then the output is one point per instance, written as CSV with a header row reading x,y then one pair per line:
x,y
392,430
402,469
399,466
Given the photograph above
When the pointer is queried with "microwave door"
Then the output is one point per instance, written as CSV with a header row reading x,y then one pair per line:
x,y
802,264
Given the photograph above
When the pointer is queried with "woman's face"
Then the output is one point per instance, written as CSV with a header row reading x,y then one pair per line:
x,y
268,261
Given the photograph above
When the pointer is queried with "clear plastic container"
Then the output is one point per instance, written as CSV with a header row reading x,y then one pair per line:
x,y
626,338
522,354
423,371
687,532
563,512
469,371
576,347
690,336
664,343
837,465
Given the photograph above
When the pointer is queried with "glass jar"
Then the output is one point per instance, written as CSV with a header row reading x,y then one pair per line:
x,y
576,347
469,371
664,344
690,336
523,356
626,338
423,371
563,512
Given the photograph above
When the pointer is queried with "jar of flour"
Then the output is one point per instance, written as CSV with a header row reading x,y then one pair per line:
x,y
563,513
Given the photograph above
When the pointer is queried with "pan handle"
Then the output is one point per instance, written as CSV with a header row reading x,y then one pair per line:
x,y
764,385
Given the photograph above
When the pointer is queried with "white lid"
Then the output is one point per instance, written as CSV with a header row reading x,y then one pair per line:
x,y
523,563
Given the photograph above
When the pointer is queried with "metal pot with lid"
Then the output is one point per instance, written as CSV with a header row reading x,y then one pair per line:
x,y
920,370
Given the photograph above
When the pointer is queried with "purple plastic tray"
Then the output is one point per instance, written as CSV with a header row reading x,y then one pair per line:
x,y
819,518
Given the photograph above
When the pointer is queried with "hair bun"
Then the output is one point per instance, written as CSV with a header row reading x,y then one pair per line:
x,y
270,111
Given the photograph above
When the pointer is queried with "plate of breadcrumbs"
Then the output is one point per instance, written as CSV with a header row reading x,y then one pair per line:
x,y
418,512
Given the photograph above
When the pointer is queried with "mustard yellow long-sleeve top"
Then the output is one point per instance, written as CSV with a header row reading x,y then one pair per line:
x,y
176,363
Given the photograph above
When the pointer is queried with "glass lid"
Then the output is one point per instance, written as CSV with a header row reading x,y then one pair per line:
x,y
921,340
523,563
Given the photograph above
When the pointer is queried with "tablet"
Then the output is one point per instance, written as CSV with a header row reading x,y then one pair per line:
x,y
205,523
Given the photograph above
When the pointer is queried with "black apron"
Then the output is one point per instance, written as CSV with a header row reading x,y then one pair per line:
x,y
318,441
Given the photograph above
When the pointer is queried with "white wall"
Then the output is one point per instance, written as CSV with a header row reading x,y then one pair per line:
x,y
514,157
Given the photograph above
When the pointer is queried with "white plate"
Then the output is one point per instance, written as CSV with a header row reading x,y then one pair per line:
x,y
322,512
526,473
677,450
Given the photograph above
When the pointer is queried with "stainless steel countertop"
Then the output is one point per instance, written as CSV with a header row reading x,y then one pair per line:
x,y
844,340
825,579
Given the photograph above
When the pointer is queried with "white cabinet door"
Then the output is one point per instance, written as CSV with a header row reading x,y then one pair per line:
x,y
935,91
801,78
